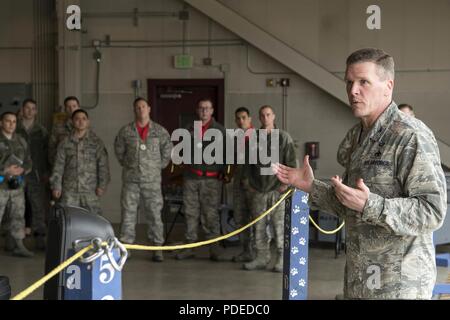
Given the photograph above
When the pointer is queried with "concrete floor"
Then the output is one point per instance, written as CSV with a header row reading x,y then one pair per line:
x,y
196,279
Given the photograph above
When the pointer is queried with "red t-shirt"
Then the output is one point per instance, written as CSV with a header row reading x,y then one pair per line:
x,y
206,127
247,135
143,131
249,132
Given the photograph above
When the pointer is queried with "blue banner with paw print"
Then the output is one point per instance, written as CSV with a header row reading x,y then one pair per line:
x,y
296,235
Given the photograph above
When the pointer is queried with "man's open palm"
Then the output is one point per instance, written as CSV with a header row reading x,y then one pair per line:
x,y
301,178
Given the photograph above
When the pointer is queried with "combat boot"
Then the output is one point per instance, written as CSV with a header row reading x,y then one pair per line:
x,y
278,267
158,256
20,250
126,240
185,254
244,256
40,242
260,262
9,243
215,252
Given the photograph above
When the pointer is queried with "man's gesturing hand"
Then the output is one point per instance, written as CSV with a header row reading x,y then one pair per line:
x,y
351,198
301,178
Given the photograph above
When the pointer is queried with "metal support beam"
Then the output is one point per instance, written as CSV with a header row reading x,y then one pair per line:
x,y
272,46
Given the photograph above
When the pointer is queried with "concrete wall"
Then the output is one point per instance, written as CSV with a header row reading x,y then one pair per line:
x,y
245,84
16,40
414,32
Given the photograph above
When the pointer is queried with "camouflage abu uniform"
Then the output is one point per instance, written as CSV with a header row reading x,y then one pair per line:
x,y
202,189
264,193
81,166
141,177
242,200
58,133
37,140
14,199
390,252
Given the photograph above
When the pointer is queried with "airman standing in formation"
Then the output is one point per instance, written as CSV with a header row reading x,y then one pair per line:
x,y
265,190
241,198
63,129
36,137
143,148
81,171
15,163
202,185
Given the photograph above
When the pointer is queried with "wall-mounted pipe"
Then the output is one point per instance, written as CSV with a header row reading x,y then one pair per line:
x,y
16,48
165,46
97,58
132,14
103,42
402,71
284,110
249,68
209,37
43,59
135,15
184,29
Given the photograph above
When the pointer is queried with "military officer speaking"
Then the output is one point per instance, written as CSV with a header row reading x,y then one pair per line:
x,y
392,194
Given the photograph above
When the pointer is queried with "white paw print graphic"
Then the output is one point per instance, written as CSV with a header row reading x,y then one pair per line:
x,y
305,198
302,261
295,230
296,209
302,241
301,282
303,220
294,250
294,271
294,293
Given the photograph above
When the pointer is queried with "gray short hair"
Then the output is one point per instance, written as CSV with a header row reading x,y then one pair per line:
x,y
384,61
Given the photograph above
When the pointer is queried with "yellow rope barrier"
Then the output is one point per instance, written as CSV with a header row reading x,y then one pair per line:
x,y
202,243
66,263
50,275
325,231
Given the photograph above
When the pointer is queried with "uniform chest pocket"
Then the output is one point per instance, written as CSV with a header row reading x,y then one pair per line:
x,y
90,154
378,171
154,145
380,179
71,156
70,152
131,140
